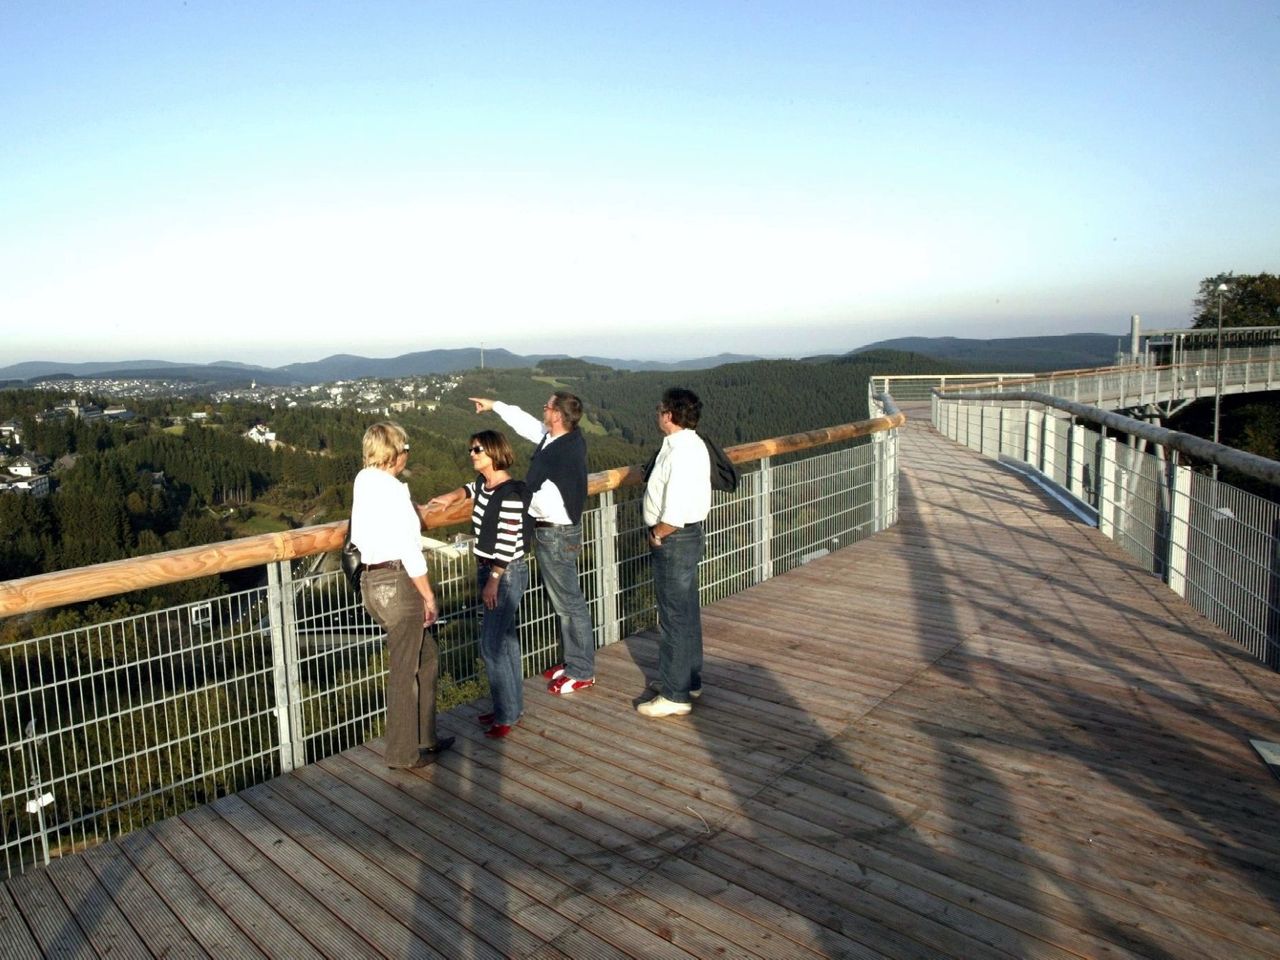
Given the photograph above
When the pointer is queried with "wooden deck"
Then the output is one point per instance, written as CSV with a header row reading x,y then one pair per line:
x,y
982,734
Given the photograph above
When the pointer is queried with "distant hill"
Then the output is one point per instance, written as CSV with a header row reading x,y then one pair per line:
x,y
338,367
700,363
344,366
1030,354
32,369
1012,353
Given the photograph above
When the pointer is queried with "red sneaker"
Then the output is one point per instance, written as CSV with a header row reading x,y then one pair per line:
x,y
498,731
553,673
566,685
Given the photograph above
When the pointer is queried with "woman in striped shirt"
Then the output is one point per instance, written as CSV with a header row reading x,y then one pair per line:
x,y
500,521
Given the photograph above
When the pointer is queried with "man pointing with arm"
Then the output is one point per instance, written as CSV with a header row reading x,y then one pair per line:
x,y
557,478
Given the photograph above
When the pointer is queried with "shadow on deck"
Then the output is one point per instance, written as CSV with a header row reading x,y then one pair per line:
x,y
983,733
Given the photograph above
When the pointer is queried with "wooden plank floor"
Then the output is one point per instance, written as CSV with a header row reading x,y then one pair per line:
x,y
981,734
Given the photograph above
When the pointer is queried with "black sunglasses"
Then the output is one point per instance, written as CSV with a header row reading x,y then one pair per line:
x,y
477,449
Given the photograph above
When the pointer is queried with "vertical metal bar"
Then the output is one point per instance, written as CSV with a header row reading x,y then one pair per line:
x,y
1076,439
1106,486
1047,452
1031,438
1179,527
606,552
280,619
891,498
763,507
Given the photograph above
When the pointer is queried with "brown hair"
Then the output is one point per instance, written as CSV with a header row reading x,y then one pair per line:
x,y
570,408
496,446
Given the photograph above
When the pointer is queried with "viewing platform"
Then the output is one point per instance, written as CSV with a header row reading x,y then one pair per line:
x,y
983,732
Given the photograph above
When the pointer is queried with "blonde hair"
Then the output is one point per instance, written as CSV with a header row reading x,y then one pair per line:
x,y
383,442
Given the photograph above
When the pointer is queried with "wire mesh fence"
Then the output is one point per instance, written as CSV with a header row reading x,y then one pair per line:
x,y
1214,544
112,726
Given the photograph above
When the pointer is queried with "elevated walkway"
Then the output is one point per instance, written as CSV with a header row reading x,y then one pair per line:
x,y
1137,387
983,733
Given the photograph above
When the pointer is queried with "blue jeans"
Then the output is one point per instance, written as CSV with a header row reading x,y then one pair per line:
x,y
558,552
675,581
499,643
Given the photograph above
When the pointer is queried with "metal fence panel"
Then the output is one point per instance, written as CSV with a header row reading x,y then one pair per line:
x,y
1229,567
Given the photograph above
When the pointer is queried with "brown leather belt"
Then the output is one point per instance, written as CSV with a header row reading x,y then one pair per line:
x,y
384,565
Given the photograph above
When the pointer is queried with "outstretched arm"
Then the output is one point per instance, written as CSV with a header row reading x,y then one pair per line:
x,y
437,504
525,424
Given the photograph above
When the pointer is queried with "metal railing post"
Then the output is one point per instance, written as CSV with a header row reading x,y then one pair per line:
x,y
1047,452
284,664
1075,483
1106,486
1031,438
606,552
891,480
762,504
1179,528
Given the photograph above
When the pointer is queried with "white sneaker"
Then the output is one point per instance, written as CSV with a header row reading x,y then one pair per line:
x,y
660,706
656,687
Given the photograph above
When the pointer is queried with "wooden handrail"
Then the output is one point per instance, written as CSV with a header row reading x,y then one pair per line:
x,y
47,590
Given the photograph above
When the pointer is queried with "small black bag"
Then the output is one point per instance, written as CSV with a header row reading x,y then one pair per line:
x,y
352,565
724,474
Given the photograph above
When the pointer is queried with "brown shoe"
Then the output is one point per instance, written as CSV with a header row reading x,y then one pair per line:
x,y
416,765
442,744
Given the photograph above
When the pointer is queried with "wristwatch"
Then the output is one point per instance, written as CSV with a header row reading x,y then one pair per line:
x,y
495,575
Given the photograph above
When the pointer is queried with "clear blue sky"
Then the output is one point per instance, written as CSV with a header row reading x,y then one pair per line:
x,y
281,181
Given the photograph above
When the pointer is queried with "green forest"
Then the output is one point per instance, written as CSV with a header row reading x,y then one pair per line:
x,y
112,503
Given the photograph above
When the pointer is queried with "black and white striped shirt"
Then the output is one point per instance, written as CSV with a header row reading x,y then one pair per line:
x,y
507,543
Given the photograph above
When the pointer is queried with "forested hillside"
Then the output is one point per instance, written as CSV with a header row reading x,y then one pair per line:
x,y
742,401
164,481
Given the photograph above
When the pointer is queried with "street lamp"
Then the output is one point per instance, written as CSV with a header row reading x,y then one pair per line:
x,y
1217,394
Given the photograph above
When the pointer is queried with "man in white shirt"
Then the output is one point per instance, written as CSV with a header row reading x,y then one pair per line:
x,y
677,499
557,478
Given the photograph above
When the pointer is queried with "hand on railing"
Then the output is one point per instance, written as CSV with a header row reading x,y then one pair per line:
x,y
444,510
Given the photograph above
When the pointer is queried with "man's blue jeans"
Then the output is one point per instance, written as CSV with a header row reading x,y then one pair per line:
x,y
675,581
499,643
558,550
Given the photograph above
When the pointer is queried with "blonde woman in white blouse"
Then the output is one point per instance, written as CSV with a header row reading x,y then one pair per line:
x,y
397,593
